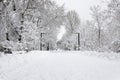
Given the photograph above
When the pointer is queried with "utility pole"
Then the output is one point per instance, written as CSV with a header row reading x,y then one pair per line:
x,y
78,34
41,35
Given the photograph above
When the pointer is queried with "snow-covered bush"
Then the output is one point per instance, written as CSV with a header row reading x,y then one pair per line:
x,y
14,46
115,46
103,49
1,48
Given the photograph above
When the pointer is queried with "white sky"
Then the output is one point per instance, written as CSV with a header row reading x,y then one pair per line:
x,y
81,6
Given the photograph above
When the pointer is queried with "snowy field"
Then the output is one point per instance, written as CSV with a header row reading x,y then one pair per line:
x,y
60,66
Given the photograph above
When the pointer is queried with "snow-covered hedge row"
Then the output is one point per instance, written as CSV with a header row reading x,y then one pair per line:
x,y
115,46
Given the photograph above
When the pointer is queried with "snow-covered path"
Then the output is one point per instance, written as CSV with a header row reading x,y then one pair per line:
x,y
57,66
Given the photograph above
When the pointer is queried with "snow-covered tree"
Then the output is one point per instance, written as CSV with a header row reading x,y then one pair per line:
x,y
73,21
23,21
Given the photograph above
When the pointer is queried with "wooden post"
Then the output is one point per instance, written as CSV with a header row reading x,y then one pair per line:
x,y
78,34
41,35
7,36
20,35
48,46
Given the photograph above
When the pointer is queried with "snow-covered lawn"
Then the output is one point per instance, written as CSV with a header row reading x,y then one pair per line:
x,y
60,66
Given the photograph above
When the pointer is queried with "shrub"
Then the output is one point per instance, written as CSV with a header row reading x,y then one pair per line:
x,y
115,46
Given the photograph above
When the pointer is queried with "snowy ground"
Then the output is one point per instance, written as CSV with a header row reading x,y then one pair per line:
x,y
60,66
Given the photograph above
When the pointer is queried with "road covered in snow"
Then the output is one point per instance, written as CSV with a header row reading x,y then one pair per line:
x,y
60,65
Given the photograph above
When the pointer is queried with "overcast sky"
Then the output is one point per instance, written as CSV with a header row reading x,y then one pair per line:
x,y
81,6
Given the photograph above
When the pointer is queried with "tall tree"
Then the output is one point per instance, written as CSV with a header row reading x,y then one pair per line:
x,y
114,11
73,21
99,18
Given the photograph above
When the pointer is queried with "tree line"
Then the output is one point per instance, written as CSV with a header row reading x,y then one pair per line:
x,y
34,25
30,24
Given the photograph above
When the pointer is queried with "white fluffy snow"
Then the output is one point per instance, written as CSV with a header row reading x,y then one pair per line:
x,y
58,66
